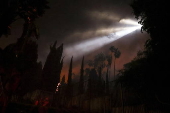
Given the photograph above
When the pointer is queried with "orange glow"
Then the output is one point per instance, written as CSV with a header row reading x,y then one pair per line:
x,y
76,71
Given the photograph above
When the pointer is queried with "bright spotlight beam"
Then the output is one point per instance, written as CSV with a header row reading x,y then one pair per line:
x,y
129,22
88,46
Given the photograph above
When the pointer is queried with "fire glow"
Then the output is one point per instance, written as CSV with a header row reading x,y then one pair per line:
x,y
90,45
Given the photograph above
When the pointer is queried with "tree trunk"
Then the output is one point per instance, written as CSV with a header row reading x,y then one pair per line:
x,y
114,67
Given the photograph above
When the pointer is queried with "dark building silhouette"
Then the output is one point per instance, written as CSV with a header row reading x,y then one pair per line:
x,y
52,68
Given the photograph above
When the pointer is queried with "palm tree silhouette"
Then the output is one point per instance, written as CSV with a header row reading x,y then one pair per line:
x,y
117,54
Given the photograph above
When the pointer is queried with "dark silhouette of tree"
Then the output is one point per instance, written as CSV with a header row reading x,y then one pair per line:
x,y
63,80
153,64
90,63
81,81
87,71
151,21
20,58
109,63
28,10
107,82
70,72
21,63
59,72
22,71
98,64
139,77
30,68
150,14
22,74
62,87
30,80
117,54
52,68
101,84
29,56
109,60
92,89
69,90
136,77
86,74
99,61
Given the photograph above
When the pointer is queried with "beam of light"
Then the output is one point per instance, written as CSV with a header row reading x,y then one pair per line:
x,y
90,45
129,22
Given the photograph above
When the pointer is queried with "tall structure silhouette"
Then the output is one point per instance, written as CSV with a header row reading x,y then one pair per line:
x,y
81,80
52,68
69,83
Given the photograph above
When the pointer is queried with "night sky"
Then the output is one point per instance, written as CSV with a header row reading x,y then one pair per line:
x,y
73,22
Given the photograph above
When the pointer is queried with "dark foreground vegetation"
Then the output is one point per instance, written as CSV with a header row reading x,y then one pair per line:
x,y
28,108
26,86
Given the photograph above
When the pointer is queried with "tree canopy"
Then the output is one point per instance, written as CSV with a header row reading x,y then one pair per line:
x,y
28,10
153,16
148,74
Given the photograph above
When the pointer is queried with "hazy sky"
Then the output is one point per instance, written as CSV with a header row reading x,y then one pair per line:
x,y
74,22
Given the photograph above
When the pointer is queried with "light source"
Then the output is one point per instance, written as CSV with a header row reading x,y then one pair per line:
x,y
90,45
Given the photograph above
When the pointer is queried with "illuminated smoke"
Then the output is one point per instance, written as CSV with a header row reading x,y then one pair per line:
x,y
90,45
129,22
